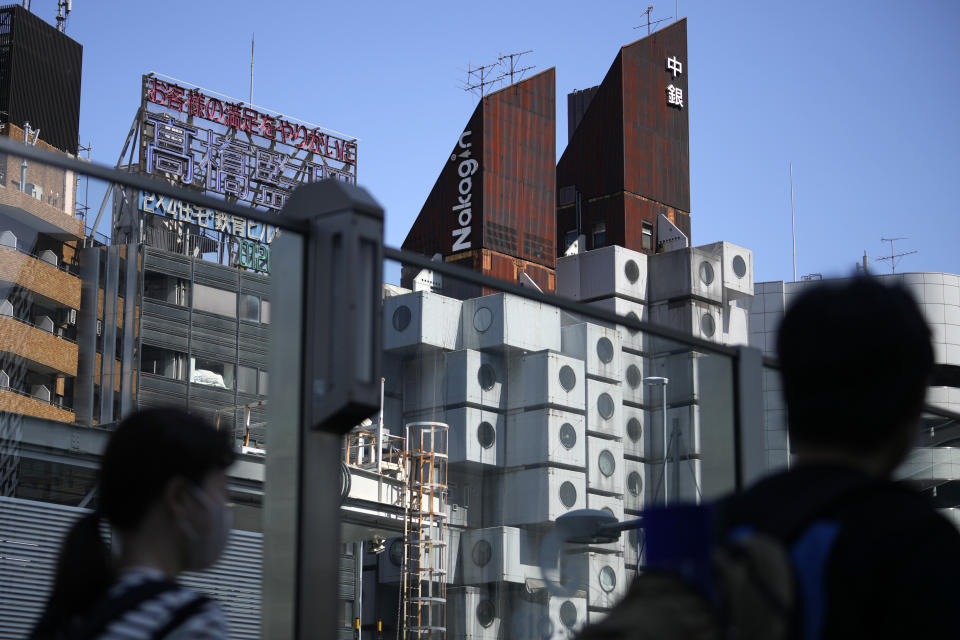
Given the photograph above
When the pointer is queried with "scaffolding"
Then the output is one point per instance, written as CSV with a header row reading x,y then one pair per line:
x,y
424,568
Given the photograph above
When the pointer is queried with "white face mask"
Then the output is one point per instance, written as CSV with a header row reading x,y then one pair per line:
x,y
203,550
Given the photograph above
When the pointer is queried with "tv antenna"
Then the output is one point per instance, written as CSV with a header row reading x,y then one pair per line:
x,y
513,57
647,13
477,78
894,257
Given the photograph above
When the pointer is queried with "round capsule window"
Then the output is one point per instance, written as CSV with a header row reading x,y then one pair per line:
x,y
608,579
486,435
633,316
605,406
568,614
568,435
634,378
486,613
482,552
568,494
632,271
739,266
607,463
706,272
707,325
634,430
396,552
482,319
568,378
401,318
634,483
609,511
487,377
605,350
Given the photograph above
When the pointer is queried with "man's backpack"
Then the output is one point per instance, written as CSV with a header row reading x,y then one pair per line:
x,y
747,586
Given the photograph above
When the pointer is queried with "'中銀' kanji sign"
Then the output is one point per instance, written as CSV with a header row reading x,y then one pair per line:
x,y
231,149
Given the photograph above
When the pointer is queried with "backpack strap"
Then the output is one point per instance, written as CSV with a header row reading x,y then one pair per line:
x,y
109,609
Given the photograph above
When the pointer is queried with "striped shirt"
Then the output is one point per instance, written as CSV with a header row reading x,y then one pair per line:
x,y
154,614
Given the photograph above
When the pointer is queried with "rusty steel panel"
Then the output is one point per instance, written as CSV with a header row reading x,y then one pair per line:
x,y
519,174
497,189
629,155
657,134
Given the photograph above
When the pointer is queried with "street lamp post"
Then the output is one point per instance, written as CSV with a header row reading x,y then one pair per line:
x,y
662,382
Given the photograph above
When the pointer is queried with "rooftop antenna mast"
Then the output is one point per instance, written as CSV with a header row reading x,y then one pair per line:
x,y
477,77
793,225
513,70
63,10
894,257
648,12
251,68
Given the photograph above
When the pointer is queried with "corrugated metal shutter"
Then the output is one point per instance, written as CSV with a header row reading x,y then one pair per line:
x,y
30,535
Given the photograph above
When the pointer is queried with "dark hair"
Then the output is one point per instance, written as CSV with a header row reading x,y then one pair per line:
x,y
146,451
856,360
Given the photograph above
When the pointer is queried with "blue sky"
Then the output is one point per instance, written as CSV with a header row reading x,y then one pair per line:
x,y
861,96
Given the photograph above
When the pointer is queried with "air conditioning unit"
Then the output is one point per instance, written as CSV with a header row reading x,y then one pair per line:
x,y
8,239
99,327
34,190
547,380
476,436
476,379
49,257
473,613
634,486
494,555
606,580
683,483
539,495
6,308
40,392
604,406
612,505
737,266
604,465
636,422
72,317
546,436
630,340
613,271
422,319
550,618
697,318
44,323
683,432
4,380
597,346
686,273
505,322
635,369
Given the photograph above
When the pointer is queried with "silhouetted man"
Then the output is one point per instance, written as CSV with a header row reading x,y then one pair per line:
x,y
856,359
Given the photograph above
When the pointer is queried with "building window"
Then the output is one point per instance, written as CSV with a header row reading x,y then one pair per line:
x,y
262,383
211,373
249,307
599,234
162,362
246,379
265,311
646,238
213,300
160,286
570,238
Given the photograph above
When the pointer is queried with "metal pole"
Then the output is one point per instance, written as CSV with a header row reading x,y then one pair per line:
x,y
793,225
666,445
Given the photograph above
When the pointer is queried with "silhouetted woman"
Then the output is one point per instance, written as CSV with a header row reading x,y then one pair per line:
x,y
162,492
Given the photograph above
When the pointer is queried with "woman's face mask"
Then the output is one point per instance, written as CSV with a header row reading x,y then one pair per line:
x,y
206,539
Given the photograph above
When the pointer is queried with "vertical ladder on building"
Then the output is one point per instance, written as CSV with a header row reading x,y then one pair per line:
x,y
424,570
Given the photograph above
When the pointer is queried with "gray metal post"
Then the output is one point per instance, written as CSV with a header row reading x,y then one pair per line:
x,y
666,446
748,405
